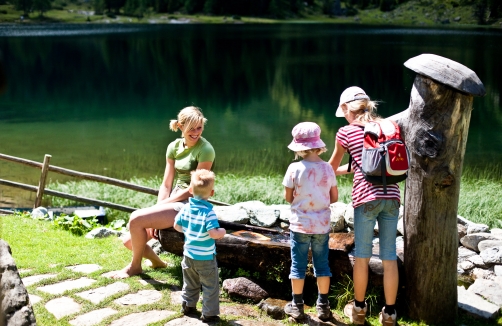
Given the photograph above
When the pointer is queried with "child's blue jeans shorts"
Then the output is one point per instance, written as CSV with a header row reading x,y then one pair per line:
x,y
300,244
386,212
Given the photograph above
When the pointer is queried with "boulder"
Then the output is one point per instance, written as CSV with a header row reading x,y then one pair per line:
x,y
234,214
243,287
492,255
486,244
263,216
488,289
476,305
16,309
337,216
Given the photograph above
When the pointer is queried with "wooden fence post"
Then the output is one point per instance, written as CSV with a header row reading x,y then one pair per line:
x,y
435,129
43,178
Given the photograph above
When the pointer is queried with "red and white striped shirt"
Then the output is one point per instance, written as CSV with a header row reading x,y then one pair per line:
x,y
351,138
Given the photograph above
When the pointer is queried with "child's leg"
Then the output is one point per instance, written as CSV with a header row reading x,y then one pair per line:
x,y
208,271
191,283
300,244
320,254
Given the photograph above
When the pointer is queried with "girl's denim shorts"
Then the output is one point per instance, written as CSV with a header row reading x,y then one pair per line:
x,y
386,212
300,244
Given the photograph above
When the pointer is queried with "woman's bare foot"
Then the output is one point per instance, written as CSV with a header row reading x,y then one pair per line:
x,y
127,271
161,264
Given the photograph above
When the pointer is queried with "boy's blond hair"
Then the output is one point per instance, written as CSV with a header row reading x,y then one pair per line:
x,y
202,183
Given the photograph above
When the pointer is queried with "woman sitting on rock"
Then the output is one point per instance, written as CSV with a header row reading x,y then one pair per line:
x,y
188,153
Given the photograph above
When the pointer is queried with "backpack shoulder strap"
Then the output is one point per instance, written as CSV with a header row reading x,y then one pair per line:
x,y
351,159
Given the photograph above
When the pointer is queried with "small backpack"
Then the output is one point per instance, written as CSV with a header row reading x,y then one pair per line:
x,y
385,157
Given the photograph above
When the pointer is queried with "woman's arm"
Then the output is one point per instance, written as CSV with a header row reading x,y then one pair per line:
x,y
333,195
336,159
167,181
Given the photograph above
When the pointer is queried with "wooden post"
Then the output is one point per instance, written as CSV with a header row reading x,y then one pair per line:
x,y
435,128
43,178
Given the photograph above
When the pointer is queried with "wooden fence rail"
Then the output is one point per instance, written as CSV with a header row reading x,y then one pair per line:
x,y
41,190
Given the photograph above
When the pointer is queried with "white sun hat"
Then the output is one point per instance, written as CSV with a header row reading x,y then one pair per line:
x,y
352,93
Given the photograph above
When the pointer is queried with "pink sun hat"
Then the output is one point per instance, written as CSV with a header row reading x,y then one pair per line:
x,y
306,135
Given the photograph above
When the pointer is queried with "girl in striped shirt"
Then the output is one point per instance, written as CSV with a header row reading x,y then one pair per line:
x,y
371,204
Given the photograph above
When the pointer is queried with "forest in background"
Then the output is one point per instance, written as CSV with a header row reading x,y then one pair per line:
x,y
481,12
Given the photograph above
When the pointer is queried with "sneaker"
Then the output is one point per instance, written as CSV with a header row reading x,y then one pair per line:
x,y
355,314
386,319
209,319
185,310
294,310
323,311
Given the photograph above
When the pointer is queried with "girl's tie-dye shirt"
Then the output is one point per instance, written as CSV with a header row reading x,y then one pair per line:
x,y
312,183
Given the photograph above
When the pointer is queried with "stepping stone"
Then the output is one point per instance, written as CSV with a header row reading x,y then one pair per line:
x,y
239,310
185,321
100,294
109,274
92,318
61,287
152,282
84,268
140,298
63,306
143,318
176,297
254,323
34,299
24,270
30,280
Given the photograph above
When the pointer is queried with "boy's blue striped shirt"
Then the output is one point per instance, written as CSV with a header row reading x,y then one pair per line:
x,y
197,218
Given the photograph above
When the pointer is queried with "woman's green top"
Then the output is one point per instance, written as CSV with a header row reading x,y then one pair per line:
x,y
187,159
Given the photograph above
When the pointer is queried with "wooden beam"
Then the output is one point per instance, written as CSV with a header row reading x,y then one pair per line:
x,y
69,196
41,183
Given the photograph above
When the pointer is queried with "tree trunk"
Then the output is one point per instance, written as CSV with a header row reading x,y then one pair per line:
x,y
436,134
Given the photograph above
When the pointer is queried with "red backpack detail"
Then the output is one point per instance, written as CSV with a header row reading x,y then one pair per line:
x,y
385,157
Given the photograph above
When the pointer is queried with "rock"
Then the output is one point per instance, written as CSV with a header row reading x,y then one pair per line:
x,y
284,212
61,287
15,302
101,293
457,19
40,213
492,255
488,289
472,240
467,265
486,244
84,268
61,307
349,216
461,230
143,318
477,228
93,317
464,253
337,216
478,261
140,298
273,307
496,231
234,214
102,233
30,280
480,273
263,216
185,321
474,304
497,269
156,246
250,204
244,288
463,221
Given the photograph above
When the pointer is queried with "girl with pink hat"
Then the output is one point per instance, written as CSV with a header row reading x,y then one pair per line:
x,y
310,187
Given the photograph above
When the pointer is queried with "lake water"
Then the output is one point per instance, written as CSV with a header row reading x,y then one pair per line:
x,y
99,98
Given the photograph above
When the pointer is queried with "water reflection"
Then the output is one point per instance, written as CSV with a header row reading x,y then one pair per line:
x,y
99,98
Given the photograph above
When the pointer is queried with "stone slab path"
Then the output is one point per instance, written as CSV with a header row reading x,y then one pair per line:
x,y
72,304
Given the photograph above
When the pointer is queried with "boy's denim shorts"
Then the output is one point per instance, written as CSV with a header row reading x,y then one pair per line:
x,y
300,244
386,212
